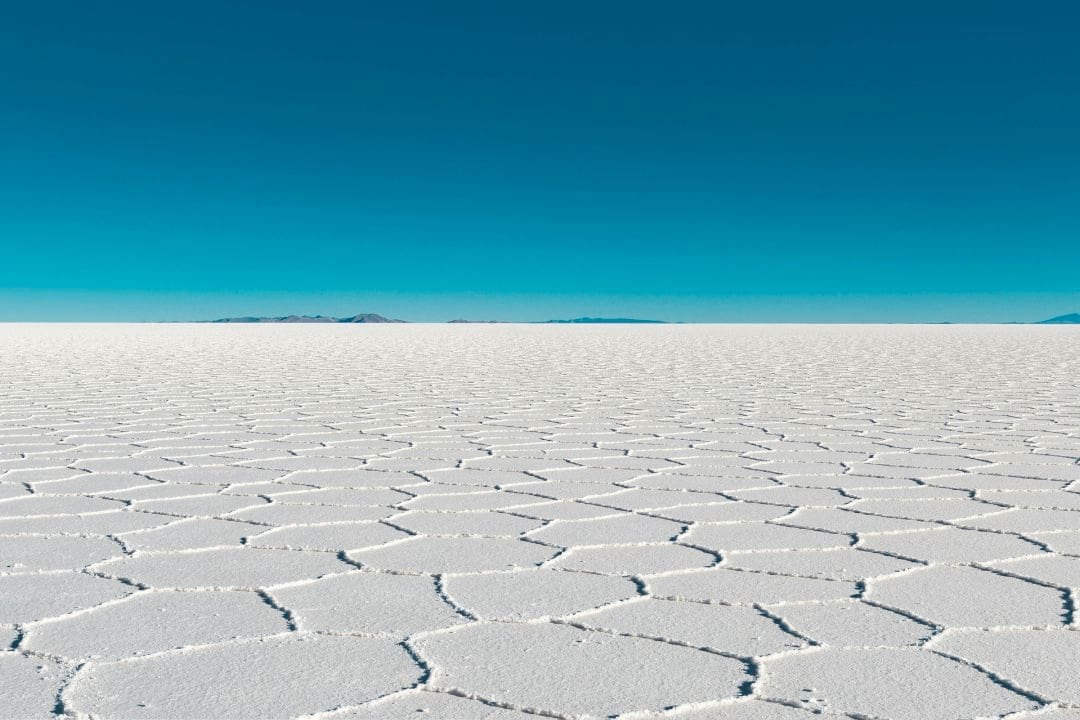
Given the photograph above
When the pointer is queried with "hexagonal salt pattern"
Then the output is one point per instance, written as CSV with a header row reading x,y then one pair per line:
x,y
764,523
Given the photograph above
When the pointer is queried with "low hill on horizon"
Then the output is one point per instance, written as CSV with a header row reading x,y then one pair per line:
x,y
361,318
592,320
1070,319
376,318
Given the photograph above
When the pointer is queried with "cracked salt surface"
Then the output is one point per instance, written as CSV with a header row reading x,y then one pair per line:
x,y
762,523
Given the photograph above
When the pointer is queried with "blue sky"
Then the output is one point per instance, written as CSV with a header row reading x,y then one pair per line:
x,y
698,161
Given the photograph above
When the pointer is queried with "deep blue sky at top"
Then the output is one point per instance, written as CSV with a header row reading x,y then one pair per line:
x,y
687,160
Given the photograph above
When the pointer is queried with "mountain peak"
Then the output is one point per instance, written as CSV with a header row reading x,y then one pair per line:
x,y
368,318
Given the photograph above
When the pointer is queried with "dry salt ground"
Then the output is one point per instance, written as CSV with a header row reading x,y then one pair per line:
x,y
734,522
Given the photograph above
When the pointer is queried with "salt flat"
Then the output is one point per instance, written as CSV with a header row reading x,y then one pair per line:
x,y
753,522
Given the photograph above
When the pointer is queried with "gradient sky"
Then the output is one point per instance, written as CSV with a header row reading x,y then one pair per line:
x,y
696,161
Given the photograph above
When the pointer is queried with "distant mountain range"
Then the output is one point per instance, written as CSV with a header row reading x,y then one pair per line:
x,y
604,321
1070,319
374,318
575,321
362,318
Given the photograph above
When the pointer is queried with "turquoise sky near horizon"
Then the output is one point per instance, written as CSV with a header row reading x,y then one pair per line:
x,y
693,161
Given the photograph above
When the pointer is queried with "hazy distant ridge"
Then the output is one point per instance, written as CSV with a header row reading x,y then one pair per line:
x,y
361,318
1070,319
375,318
590,320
